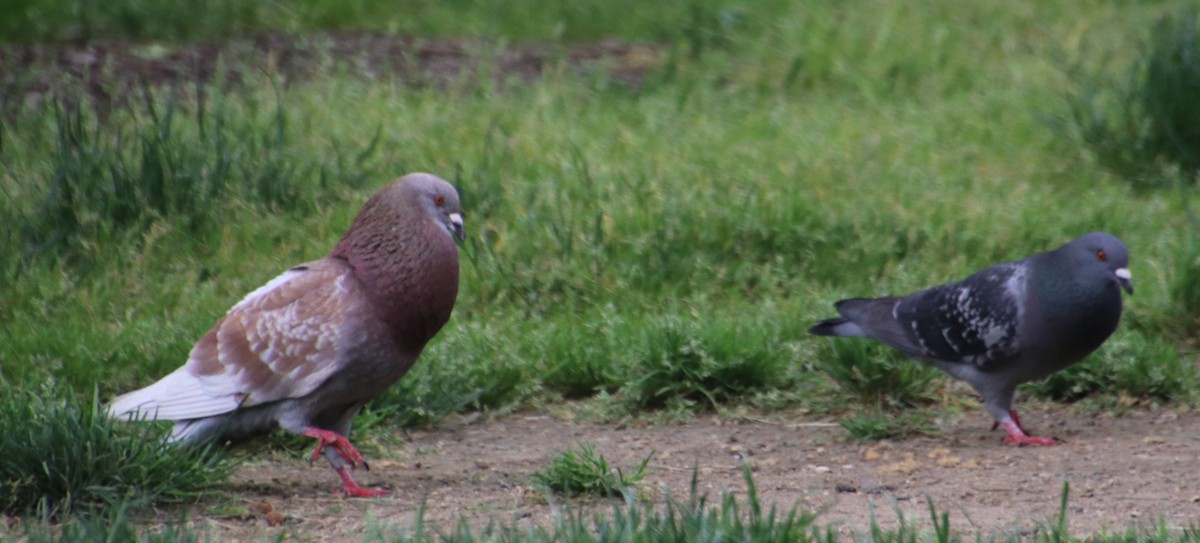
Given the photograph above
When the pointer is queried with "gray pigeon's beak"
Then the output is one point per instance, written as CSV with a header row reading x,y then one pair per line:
x,y
456,224
1123,276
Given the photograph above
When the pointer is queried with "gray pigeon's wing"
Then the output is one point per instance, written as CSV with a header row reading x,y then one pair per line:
x,y
973,321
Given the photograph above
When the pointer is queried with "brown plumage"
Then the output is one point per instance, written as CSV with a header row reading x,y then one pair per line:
x,y
305,351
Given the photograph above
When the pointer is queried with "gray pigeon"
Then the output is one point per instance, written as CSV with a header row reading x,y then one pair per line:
x,y
1006,324
305,351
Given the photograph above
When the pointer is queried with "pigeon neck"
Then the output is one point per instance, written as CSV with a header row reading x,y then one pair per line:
x,y
409,270
1077,305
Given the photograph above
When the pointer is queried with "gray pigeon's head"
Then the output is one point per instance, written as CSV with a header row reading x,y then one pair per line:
x,y
433,196
1099,256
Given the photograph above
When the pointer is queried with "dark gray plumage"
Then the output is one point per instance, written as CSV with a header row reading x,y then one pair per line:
x,y
1006,324
308,349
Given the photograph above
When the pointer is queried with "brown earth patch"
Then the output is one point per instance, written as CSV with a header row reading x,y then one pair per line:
x,y
111,72
1129,470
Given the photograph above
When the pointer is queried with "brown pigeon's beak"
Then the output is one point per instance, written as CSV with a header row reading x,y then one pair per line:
x,y
456,223
1123,276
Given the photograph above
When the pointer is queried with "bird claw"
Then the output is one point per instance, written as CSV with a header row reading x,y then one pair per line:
x,y
326,438
1027,441
350,489
353,458
1032,442
361,492
1017,436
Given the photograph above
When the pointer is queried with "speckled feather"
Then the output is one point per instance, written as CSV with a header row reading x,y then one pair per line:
x,y
972,321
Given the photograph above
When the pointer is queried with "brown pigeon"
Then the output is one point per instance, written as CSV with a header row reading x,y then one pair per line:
x,y
305,351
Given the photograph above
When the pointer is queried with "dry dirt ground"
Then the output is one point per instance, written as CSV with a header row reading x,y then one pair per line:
x,y
1128,470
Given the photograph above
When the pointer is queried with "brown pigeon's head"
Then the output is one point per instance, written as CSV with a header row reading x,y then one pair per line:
x,y
432,196
409,215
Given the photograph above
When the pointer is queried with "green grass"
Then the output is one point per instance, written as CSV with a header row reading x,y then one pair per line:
x,y
1140,122
114,180
583,471
879,425
60,455
110,525
875,375
1185,283
697,517
694,518
749,206
1172,73
661,248
731,518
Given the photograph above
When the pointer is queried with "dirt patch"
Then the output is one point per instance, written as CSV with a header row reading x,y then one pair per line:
x,y
1124,471
109,72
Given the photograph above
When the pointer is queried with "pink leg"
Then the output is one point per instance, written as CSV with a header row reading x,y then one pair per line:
x,y
1017,419
326,438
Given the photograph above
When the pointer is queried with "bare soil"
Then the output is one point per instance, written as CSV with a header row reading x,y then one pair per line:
x,y
111,74
1128,470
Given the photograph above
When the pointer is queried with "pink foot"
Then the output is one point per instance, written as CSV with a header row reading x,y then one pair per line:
x,y
1017,436
326,438
351,489
1030,440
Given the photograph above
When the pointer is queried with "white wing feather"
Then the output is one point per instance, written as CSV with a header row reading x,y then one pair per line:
x,y
178,396
265,332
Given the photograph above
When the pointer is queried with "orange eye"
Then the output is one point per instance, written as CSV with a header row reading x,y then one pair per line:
x,y
439,200
1101,255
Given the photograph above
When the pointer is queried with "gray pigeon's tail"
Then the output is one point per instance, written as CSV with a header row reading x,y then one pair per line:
x,y
837,327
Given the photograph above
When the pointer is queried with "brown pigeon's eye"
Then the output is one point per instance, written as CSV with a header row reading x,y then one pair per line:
x,y
1101,255
439,200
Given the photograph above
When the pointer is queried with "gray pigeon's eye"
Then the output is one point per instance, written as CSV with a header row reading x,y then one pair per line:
x,y
1101,255
439,200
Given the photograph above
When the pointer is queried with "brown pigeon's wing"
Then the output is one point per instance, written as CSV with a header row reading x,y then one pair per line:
x,y
281,341
285,339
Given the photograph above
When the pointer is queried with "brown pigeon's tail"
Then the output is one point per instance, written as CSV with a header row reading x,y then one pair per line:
x,y
837,327
178,396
